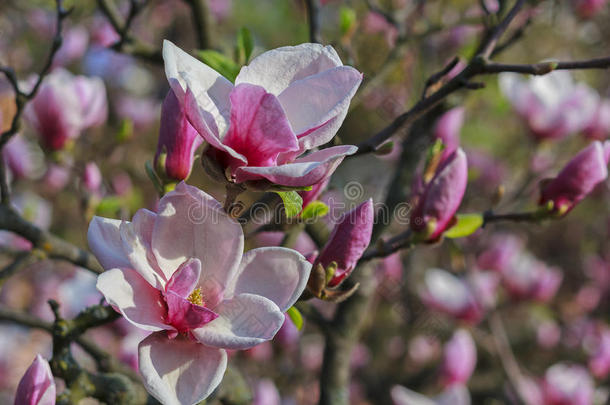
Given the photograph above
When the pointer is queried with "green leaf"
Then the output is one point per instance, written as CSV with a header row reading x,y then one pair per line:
x,y
245,45
293,203
347,19
466,225
220,63
109,206
315,209
295,317
154,178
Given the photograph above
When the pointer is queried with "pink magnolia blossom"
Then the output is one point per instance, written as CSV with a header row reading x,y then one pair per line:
x,y
315,192
589,8
454,395
501,252
459,358
37,386
441,198
285,102
347,242
448,128
266,393
529,278
599,359
92,178
567,384
21,158
451,295
599,125
375,23
552,105
178,141
181,273
577,179
65,105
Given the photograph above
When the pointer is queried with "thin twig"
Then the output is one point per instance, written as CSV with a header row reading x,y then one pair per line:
x,y
199,10
313,19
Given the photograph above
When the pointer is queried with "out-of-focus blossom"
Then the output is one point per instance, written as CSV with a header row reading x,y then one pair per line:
x,y
391,268
288,333
588,297
485,285
65,105
447,129
446,293
599,126
304,245
530,278
102,33
73,46
21,158
552,105
454,395
589,8
56,177
347,242
484,170
181,273
423,349
501,252
577,179
599,359
437,205
143,112
37,386
361,356
121,184
285,102
32,208
567,384
548,334
178,141
375,23
459,358
92,178
266,393
598,269
220,9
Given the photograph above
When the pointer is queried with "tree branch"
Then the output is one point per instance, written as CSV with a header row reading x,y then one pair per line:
x,y
199,10
313,19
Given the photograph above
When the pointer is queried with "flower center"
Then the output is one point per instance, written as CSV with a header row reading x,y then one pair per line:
x,y
196,297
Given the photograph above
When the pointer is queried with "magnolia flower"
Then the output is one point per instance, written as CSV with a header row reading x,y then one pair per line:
x,y
577,179
92,178
178,141
529,278
439,201
567,384
501,252
285,102
599,126
454,395
459,358
347,242
314,193
599,359
588,8
448,128
266,393
37,386
181,274
446,293
552,105
65,105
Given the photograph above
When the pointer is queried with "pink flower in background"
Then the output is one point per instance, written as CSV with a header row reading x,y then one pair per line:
x,y
374,23
500,252
73,47
65,105
454,395
37,386
22,158
552,105
143,112
577,179
459,359
178,141
448,128
599,126
441,198
56,177
589,8
92,178
304,245
181,274
599,350
529,278
567,384
266,393
444,292
347,242
285,102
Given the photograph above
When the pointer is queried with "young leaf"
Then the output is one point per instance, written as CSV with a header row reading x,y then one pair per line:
x,y
296,317
347,19
315,209
293,203
466,225
220,63
245,45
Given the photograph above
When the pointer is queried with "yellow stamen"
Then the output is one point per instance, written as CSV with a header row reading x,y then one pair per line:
x,y
196,297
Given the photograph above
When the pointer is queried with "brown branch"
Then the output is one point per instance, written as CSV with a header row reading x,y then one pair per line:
x,y
200,12
533,216
127,43
313,20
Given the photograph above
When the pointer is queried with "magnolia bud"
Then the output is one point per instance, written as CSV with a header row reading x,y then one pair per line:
x,y
448,130
92,178
347,242
37,386
567,384
459,358
178,141
441,198
577,179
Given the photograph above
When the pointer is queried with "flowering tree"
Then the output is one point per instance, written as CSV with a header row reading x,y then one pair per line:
x,y
349,202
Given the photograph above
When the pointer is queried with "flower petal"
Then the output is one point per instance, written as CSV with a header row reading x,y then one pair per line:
x,y
210,89
185,279
184,315
105,242
134,298
317,105
276,273
136,237
192,224
305,171
180,371
276,69
259,128
244,321
37,386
